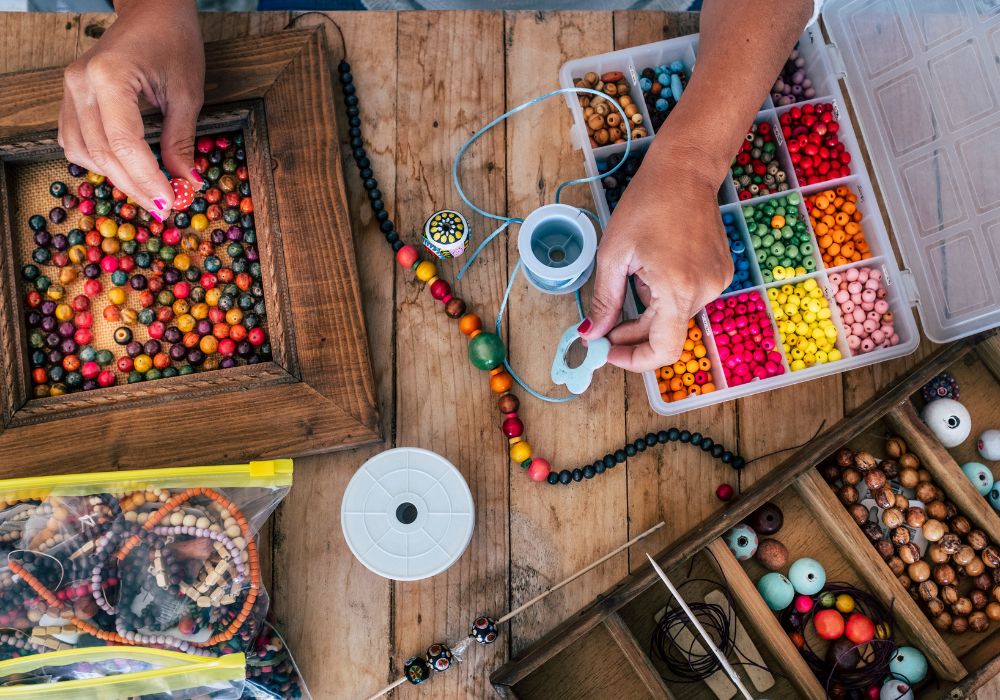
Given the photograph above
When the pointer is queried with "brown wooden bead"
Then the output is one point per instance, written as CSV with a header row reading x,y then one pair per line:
x,y
933,530
897,565
935,606
872,531
996,593
848,495
941,621
455,308
959,625
890,467
884,497
875,479
508,403
830,472
924,491
909,553
960,525
977,540
993,611
920,571
950,543
772,555
927,588
900,536
908,478
949,506
859,513
949,594
994,574
844,457
865,461
902,502
962,606
904,580
851,477
937,510
964,555
974,568
983,582
885,548
909,461
892,517
924,475
991,557
895,447
979,599
944,574
978,622
916,516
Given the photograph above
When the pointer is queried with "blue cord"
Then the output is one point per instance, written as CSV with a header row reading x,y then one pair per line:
x,y
508,220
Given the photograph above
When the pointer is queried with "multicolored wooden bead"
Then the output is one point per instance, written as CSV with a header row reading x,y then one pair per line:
x,y
742,541
417,670
183,193
439,657
484,630
446,234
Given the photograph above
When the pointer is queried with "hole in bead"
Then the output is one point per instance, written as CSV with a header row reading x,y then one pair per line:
x,y
576,353
406,513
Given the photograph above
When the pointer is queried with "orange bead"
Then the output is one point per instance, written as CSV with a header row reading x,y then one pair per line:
x,y
501,382
469,323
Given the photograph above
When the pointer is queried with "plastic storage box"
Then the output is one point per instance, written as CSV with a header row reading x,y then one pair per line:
x,y
924,82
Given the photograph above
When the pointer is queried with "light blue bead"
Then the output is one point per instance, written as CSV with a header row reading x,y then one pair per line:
x,y
660,69
677,66
663,79
909,663
742,541
807,576
665,93
895,689
675,86
994,494
776,590
661,105
980,476
645,84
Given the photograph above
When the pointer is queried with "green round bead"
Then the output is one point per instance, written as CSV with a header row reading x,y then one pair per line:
x,y
486,351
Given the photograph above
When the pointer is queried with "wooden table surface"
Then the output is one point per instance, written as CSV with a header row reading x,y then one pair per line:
x,y
426,82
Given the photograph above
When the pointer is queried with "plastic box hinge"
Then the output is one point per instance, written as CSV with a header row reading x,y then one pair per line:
x,y
908,283
837,61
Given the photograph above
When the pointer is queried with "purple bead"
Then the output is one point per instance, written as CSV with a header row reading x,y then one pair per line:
x,y
55,357
59,242
48,308
70,201
68,346
48,324
195,356
152,346
171,275
139,282
218,236
172,334
90,385
57,215
53,341
32,318
227,362
67,329
252,254
235,233
42,238
92,271
133,349
76,170
204,327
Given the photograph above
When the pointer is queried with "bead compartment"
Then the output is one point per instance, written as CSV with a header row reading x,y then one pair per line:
x,y
819,69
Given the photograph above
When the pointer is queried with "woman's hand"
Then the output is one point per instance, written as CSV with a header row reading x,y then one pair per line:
x,y
154,49
667,231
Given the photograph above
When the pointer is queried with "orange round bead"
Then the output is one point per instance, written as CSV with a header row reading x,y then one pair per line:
x,y
469,324
501,382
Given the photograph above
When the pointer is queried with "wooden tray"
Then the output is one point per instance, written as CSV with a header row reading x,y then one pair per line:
x,y
317,393
605,645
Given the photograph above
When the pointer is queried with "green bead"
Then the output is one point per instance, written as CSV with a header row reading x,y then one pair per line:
x,y
486,351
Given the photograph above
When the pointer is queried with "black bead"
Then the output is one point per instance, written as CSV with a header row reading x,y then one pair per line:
x,y
357,142
663,436
565,477
378,204
396,246
588,472
651,439
375,194
386,226
738,463
609,461
366,173
630,450
717,451
343,67
359,153
354,131
349,89
695,439
354,121
577,474
363,162
370,183
685,436
553,478
351,100
599,467
727,457
640,444
673,434
345,76
353,111
382,216
391,237
707,443
619,456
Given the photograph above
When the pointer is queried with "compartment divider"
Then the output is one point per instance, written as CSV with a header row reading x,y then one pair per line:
x,y
637,658
757,615
855,547
947,473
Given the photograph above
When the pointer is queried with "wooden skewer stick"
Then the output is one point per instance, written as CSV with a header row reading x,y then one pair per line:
x,y
548,591
701,630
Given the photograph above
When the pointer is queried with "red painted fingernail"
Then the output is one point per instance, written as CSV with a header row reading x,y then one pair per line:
x,y
197,176
160,203
585,326
156,216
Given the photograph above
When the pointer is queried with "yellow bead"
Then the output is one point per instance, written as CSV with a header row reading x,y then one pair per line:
x,y
126,232
845,603
64,312
834,355
143,363
116,295
520,451
57,390
185,323
200,311
94,178
181,307
182,261
426,271
55,292
199,222
108,228
772,293
798,365
212,296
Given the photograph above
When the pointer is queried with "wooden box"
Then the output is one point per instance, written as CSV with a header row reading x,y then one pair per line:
x,y
605,647
314,391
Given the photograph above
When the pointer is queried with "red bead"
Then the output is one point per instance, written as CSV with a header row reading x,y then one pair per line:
x,y
106,378
513,427
539,469
256,336
440,289
90,370
182,290
724,492
183,193
407,256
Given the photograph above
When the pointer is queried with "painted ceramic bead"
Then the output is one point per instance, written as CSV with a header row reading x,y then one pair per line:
x,y
486,351
994,497
894,689
776,590
183,193
767,519
979,475
948,420
484,630
989,445
742,541
417,670
807,576
439,657
909,662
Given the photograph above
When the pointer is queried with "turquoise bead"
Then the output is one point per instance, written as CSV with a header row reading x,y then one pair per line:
x,y
486,351
742,541
994,497
979,475
807,576
776,590
909,663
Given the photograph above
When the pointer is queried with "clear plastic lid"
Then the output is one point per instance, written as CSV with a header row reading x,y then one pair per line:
x,y
924,80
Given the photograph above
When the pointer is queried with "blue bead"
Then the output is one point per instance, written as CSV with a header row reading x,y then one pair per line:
x,y
645,84
727,218
742,541
662,105
807,576
737,246
675,86
979,475
776,590
909,663
663,79
677,66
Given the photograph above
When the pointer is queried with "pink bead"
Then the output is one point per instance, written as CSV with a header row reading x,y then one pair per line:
x,y
847,307
853,341
872,284
859,315
723,353
852,274
886,329
759,372
870,326
89,370
835,279
854,287
875,274
873,316
867,345
407,255
842,296
109,263
881,306
857,329
803,603
878,337
868,306
895,339
539,469
863,274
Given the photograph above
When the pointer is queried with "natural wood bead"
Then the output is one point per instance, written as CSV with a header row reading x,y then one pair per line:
x,y
995,593
848,495
950,543
884,497
859,513
865,461
885,548
978,622
902,502
941,622
897,566
927,588
844,457
991,557
960,525
949,594
900,536
875,479
895,447
890,467
924,491
920,571
983,582
934,551
979,599
974,568
872,531
959,625
904,580
964,555
962,606
944,575
892,517
908,478
909,553
830,472
935,606
916,516
993,611
924,475
909,461
933,530
977,540
851,477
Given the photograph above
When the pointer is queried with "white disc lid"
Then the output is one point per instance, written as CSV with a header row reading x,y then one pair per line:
x,y
407,514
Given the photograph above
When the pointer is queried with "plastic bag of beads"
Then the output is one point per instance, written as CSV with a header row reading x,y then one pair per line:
x,y
123,672
156,559
271,671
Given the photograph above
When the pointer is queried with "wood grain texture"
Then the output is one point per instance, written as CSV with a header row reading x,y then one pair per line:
x,y
947,474
880,582
536,164
637,657
756,613
443,403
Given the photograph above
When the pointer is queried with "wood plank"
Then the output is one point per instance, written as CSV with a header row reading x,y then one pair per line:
x,y
807,457
989,353
36,39
856,548
536,164
757,614
306,528
947,474
637,657
443,403
756,669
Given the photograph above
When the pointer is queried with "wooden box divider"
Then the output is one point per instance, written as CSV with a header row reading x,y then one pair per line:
x,y
855,547
757,615
936,459
637,658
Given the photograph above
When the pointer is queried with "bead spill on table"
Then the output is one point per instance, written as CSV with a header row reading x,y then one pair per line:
x,y
112,296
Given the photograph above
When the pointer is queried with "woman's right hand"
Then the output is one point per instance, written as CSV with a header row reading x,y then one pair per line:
x,y
153,49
